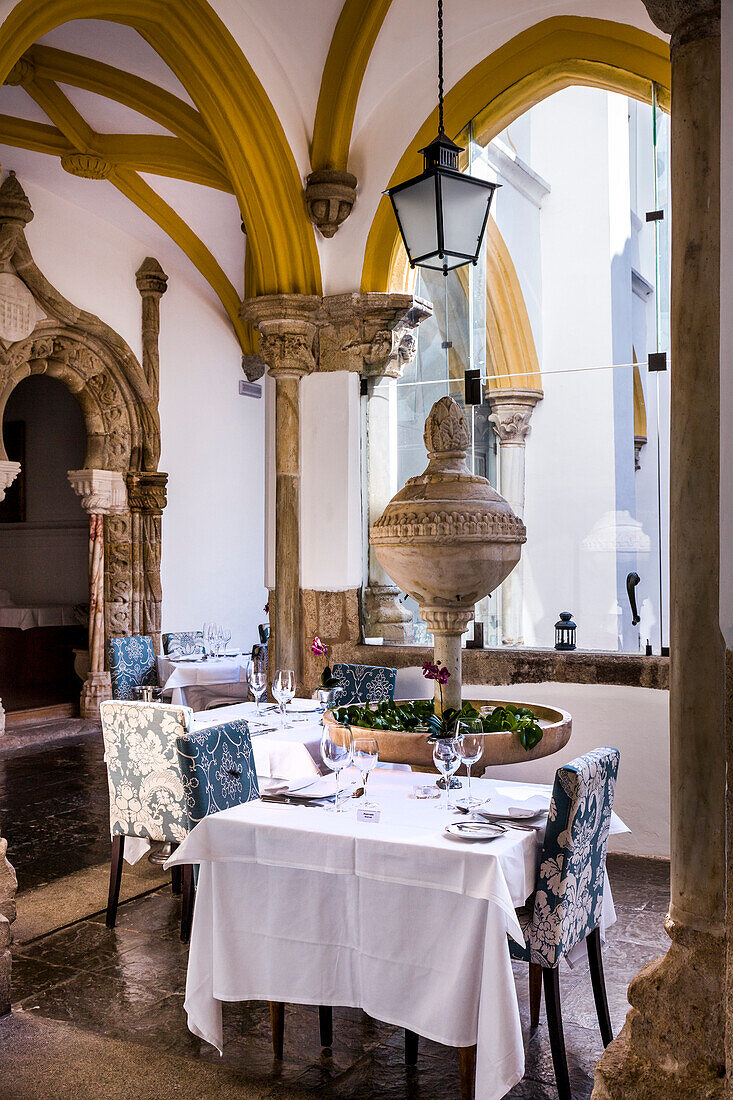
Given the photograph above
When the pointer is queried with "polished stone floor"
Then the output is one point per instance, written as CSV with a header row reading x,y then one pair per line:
x,y
128,983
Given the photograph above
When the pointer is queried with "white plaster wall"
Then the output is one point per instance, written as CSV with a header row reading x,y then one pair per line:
x,y
633,720
213,439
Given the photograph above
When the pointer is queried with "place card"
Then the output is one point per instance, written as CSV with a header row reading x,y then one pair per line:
x,y
368,815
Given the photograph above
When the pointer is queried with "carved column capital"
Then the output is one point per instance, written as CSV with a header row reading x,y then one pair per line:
x,y
287,327
150,278
146,492
685,20
8,473
511,413
329,197
373,335
102,492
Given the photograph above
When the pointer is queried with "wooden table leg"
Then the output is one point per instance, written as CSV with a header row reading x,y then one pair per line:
x,y
277,1024
467,1066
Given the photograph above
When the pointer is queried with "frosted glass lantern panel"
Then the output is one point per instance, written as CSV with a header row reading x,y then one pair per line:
x,y
464,214
416,210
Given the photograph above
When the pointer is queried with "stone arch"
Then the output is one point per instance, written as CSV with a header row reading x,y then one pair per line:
x,y
121,487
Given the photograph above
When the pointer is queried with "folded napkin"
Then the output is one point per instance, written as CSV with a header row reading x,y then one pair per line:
x,y
319,786
517,801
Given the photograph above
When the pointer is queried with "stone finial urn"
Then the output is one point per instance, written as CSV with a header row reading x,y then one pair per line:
x,y
448,539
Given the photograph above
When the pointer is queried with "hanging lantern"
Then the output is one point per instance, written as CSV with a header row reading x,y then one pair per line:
x,y
565,632
442,213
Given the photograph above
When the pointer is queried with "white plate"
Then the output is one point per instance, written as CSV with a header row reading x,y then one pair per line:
x,y
512,813
474,830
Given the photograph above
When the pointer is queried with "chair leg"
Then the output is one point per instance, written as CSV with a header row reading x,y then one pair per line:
x,y
551,982
277,1026
115,877
412,1046
467,1069
535,993
176,880
187,901
595,958
325,1022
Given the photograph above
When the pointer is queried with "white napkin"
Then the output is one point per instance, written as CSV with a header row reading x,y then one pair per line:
x,y
517,801
318,786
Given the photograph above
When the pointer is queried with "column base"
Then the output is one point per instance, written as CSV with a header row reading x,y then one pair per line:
x,y
8,889
97,687
385,616
672,1046
2,719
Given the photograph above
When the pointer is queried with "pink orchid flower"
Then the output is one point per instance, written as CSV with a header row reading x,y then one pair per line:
x,y
318,648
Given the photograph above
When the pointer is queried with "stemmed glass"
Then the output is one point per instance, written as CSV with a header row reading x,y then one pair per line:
x,y
257,677
447,759
337,755
365,754
226,637
283,688
471,738
207,640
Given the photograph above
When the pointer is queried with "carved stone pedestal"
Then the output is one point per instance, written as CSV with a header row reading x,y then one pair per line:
x,y
8,888
96,688
672,1044
385,616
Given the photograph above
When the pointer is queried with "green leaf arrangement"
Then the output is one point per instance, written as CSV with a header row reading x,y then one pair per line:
x,y
419,715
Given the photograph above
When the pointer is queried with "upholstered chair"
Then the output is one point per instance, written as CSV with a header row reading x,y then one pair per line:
x,y
131,664
264,633
363,683
183,641
567,905
146,792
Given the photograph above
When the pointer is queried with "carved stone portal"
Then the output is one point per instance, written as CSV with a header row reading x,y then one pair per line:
x,y
120,485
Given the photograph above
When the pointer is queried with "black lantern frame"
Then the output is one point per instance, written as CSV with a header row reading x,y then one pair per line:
x,y
565,632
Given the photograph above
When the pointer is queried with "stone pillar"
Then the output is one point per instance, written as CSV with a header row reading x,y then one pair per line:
x,y
151,281
102,493
8,888
286,324
146,494
447,623
672,1044
511,412
8,473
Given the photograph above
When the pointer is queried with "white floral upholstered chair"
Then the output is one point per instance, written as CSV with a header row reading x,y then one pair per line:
x,y
146,793
363,683
567,905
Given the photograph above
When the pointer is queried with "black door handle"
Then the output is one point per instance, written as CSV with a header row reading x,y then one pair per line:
x,y
632,579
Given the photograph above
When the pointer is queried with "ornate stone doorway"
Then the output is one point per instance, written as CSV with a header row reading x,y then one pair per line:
x,y
121,488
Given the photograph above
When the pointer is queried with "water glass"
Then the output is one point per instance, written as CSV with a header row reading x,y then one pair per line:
x,y
337,754
447,759
226,637
257,678
471,739
365,755
283,688
207,639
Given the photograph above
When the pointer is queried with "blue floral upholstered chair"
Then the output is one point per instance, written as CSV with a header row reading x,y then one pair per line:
x,y
363,683
183,641
131,664
146,792
567,904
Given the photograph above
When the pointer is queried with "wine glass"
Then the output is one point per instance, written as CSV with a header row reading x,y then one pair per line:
x,y
365,755
337,754
283,688
470,736
447,759
257,678
207,640
226,637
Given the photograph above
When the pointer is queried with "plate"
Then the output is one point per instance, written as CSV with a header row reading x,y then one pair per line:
x,y
512,813
474,830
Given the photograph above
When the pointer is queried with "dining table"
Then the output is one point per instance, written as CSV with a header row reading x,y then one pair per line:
x,y
281,751
194,679
298,903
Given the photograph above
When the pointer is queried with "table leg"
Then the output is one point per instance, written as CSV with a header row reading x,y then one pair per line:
x,y
467,1067
277,1025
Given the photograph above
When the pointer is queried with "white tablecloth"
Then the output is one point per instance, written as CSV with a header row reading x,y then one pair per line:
x,y
25,618
176,676
298,904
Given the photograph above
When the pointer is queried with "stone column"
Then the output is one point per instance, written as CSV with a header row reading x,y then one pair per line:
x,y
146,494
672,1044
8,888
447,623
8,473
102,493
286,324
151,281
511,412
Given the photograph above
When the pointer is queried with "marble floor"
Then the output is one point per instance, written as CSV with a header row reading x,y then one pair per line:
x,y
128,983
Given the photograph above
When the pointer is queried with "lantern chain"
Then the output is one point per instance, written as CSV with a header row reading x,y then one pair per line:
x,y
441,128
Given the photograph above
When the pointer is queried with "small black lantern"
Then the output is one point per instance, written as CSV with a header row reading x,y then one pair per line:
x,y
565,632
442,213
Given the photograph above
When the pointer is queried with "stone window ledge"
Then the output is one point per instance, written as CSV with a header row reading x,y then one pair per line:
x,y
532,666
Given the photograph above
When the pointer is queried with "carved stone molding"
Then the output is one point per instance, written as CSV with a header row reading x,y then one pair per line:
x,y
685,19
396,527
373,334
446,430
15,209
286,324
640,441
146,492
446,618
8,473
150,278
511,413
86,165
102,492
385,616
8,890
329,197
253,367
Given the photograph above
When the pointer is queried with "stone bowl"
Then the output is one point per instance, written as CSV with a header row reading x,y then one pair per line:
x,y
500,748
